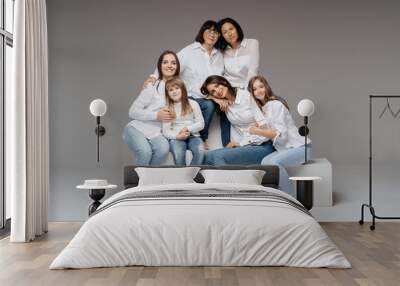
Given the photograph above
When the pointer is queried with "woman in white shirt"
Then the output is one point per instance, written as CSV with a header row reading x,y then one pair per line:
x,y
198,61
243,113
143,133
241,56
281,130
183,130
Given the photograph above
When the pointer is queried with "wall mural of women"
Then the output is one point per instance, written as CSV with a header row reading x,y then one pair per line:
x,y
214,73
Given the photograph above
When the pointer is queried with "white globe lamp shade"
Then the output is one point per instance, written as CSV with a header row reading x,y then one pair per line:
x,y
98,107
305,107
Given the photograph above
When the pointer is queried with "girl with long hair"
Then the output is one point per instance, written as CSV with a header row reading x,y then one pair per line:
x,y
282,131
187,121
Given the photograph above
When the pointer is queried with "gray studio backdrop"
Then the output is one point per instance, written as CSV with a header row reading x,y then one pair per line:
x,y
333,52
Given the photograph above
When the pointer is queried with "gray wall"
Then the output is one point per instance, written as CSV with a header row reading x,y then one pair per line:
x,y
333,52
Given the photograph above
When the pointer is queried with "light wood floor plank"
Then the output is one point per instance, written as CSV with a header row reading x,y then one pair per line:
x,y
374,255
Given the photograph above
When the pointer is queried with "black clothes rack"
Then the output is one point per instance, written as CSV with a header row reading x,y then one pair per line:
x,y
394,115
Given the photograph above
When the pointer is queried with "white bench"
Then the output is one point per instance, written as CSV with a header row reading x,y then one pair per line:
x,y
319,167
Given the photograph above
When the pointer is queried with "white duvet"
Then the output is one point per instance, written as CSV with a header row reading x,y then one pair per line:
x,y
200,231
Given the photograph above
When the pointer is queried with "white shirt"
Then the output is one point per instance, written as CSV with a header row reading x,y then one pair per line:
x,y
193,121
243,114
144,110
242,64
196,65
279,118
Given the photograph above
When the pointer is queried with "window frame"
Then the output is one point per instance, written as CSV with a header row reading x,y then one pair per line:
x,y
6,39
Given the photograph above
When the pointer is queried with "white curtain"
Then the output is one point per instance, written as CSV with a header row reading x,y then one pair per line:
x,y
27,123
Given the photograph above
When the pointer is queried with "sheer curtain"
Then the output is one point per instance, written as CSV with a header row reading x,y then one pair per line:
x,y
27,122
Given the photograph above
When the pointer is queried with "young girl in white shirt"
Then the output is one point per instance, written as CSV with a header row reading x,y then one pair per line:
x,y
183,131
282,131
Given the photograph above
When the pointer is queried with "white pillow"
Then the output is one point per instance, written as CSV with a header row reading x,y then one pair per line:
x,y
166,176
248,177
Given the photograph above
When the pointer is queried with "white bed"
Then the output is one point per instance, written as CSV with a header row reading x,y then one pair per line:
x,y
185,230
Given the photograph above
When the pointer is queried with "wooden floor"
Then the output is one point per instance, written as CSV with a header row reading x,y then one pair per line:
x,y
375,257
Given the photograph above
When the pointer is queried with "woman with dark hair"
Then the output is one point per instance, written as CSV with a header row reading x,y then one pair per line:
x,y
241,55
198,61
283,132
143,134
243,113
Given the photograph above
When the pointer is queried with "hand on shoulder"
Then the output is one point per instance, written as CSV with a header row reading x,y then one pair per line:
x,y
150,81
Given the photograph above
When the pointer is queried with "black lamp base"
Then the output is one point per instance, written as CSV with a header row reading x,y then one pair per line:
x,y
305,193
96,195
308,162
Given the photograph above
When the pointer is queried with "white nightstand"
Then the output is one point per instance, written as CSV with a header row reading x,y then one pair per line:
x,y
97,189
304,190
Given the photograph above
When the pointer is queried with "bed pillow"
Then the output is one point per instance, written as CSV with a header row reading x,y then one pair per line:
x,y
166,176
248,177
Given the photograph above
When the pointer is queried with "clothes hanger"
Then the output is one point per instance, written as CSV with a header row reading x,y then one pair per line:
x,y
387,106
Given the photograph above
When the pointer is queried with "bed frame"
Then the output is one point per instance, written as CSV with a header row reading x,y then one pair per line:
x,y
270,179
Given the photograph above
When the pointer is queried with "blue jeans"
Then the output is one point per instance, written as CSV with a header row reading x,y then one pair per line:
x,y
245,155
179,147
283,159
146,151
208,107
